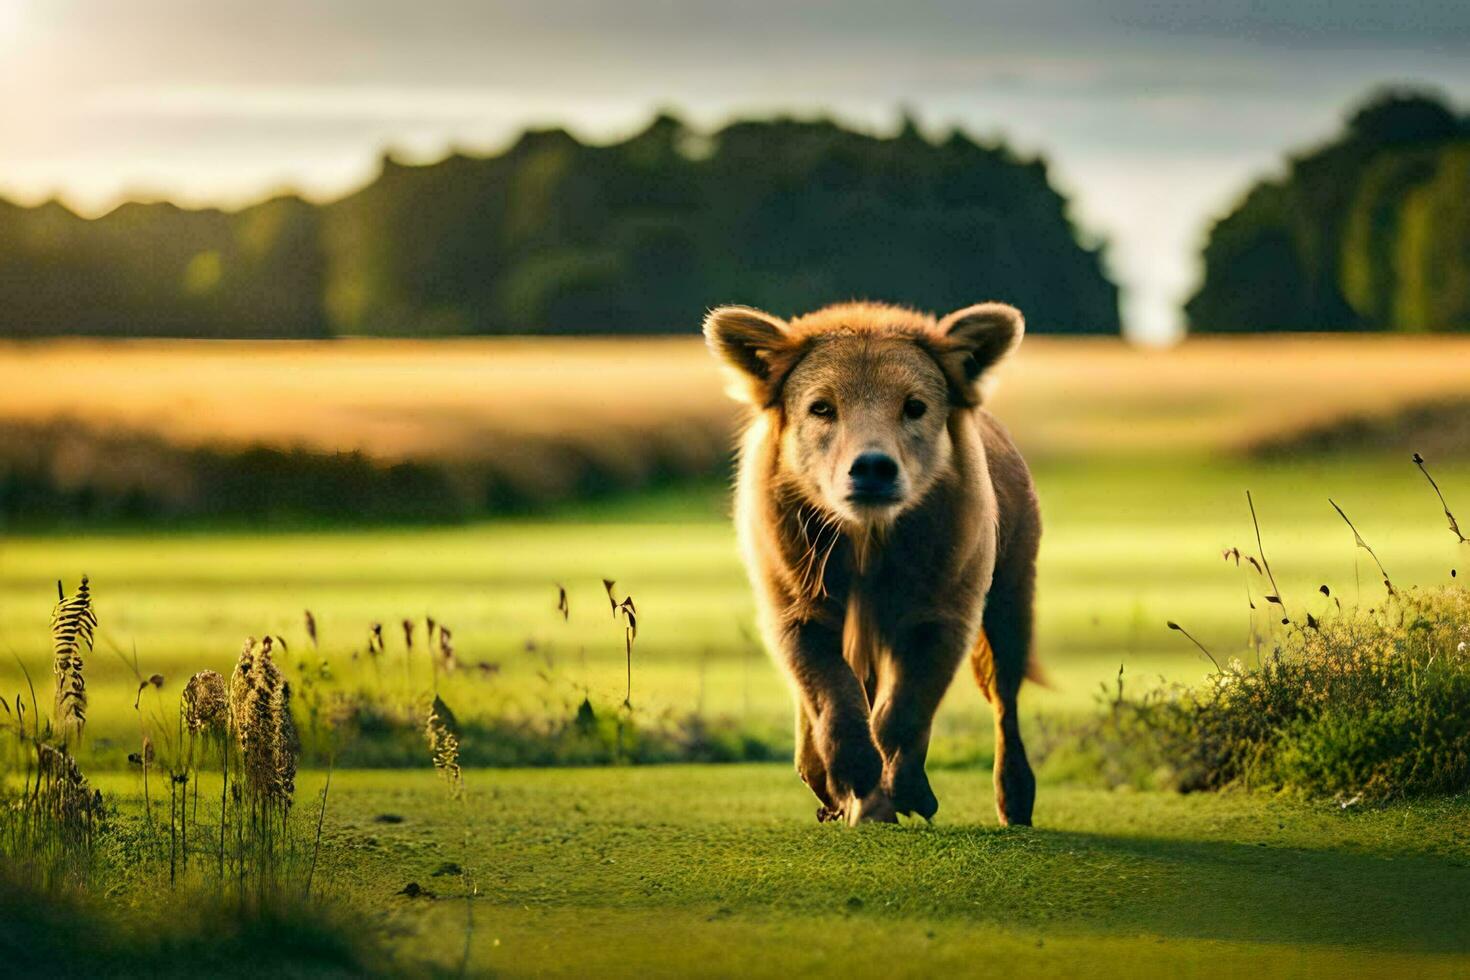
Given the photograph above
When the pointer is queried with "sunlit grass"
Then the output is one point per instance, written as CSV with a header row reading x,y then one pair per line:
x,y
1126,548
686,870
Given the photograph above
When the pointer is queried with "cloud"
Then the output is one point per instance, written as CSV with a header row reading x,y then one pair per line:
x,y
385,103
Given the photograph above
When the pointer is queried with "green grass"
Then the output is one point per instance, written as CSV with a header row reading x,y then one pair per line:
x,y
684,870
699,870
1127,546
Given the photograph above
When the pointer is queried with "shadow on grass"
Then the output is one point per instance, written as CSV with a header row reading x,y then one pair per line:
x,y
66,933
1269,894
1063,881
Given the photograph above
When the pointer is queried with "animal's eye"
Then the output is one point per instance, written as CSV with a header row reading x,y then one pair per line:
x,y
914,409
822,409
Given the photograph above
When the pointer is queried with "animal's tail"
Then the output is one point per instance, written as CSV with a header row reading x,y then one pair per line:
x,y
982,664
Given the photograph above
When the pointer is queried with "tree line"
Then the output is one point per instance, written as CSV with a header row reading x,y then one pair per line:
x,y
555,235
1370,231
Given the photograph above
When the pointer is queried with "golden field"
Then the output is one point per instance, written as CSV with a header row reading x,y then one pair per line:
x,y
466,398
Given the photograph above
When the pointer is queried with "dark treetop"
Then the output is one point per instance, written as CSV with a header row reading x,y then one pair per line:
x,y
557,236
1369,232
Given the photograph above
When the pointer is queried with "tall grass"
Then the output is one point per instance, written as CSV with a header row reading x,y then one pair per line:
x,y
72,626
440,730
50,821
1372,704
1350,703
72,863
247,848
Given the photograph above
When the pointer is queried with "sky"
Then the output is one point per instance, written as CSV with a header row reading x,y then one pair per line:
x,y
1154,116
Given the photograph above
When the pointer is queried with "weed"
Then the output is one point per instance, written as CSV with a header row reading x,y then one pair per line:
x,y
1357,704
72,627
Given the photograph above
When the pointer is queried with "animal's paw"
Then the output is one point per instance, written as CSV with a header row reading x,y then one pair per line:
x,y
911,794
1015,794
876,807
826,814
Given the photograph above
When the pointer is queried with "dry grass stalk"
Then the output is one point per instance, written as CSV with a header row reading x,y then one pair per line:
x,y
72,625
1189,636
630,633
288,746
1454,524
1275,596
62,790
1358,540
205,703
240,683
260,713
440,730
444,649
153,680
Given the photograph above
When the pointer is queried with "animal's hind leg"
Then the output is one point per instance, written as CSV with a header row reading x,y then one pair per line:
x,y
811,768
999,661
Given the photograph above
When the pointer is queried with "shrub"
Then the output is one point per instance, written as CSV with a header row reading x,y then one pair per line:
x,y
1374,703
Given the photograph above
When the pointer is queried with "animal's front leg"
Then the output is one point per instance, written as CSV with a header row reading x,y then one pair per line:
x,y
811,768
911,684
836,710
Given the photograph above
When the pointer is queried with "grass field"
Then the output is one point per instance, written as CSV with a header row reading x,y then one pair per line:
x,y
697,870
1127,548
1137,455
1142,467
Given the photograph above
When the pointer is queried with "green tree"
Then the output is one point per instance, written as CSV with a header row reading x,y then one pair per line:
x,y
1362,233
557,236
1433,253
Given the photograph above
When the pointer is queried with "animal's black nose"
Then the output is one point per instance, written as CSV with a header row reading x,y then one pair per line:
x,y
873,475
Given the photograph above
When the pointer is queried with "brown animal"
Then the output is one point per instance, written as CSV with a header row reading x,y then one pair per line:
x,y
890,527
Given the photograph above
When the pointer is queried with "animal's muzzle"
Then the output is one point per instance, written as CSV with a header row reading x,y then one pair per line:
x,y
873,479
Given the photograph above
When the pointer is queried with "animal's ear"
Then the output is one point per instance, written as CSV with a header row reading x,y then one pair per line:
x,y
975,340
752,345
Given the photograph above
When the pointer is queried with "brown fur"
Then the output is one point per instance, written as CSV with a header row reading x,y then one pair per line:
x,y
871,603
